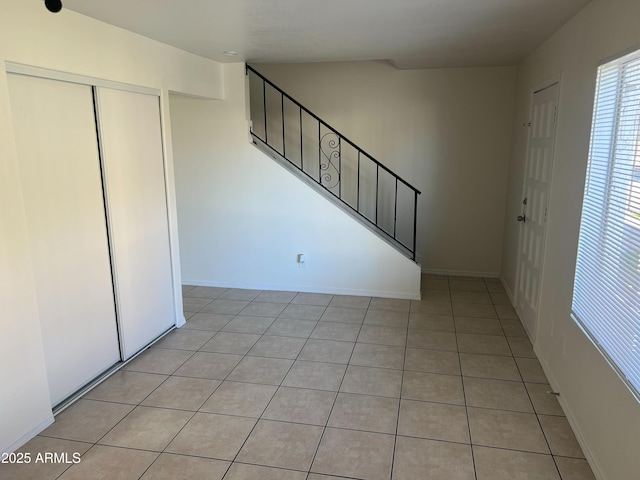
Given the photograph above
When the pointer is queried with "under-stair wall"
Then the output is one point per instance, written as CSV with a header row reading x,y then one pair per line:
x,y
243,219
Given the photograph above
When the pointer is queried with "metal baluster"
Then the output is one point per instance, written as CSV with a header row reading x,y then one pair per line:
x,y
284,150
358,199
339,167
415,218
395,210
264,108
301,152
319,155
377,186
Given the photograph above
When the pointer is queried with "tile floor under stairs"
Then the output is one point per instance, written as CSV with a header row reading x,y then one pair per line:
x,y
284,386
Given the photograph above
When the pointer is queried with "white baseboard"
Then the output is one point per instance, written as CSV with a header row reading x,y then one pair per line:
x,y
460,273
298,288
575,426
510,294
42,425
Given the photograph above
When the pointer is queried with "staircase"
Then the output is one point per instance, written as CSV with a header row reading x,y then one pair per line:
x,y
330,162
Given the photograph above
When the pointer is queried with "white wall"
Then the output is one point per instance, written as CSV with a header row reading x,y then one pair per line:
x,y
447,131
603,412
243,218
72,43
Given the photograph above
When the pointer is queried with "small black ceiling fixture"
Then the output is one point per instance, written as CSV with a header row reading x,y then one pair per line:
x,y
53,5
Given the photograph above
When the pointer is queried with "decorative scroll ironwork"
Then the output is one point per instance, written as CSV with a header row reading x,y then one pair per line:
x,y
330,148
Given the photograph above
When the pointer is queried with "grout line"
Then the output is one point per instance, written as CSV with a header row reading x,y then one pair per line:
x,y
404,362
544,435
464,398
324,428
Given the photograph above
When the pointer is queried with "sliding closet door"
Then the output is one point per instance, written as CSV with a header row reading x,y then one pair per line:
x,y
57,146
133,166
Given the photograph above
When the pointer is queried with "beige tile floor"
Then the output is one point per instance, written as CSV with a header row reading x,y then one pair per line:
x,y
282,386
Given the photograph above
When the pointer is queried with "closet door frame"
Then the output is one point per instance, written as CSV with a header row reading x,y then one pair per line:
x,y
168,170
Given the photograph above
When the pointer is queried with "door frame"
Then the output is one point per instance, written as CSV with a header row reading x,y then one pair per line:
x,y
539,87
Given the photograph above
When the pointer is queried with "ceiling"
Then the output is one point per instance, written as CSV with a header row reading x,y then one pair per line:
x,y
408,33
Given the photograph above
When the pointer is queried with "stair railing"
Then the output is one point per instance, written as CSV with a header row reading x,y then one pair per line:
x,y
367,187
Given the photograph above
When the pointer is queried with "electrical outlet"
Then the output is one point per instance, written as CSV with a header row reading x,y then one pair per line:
x,y
302,260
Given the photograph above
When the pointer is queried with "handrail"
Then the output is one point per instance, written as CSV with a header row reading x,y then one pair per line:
x,y
325,177
309,112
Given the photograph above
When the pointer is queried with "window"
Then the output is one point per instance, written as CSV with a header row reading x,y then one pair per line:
x,y
606,297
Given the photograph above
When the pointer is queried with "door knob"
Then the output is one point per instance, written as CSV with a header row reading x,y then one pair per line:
x,y
522,218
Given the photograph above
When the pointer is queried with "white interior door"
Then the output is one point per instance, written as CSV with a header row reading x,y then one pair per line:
x,y
535,204
60,173
133,167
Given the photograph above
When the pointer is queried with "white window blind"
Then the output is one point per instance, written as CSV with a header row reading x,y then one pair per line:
x,y
606,297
